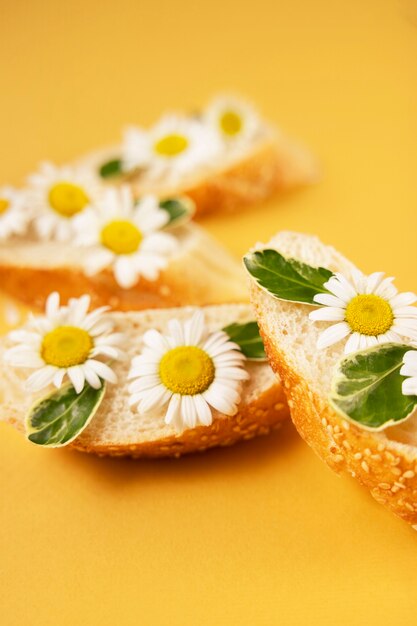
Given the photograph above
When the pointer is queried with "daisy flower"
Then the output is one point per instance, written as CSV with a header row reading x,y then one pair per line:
x,y
187,373
173,147
409,369
14,216
233,119
57,195
369,310
66,342
125,236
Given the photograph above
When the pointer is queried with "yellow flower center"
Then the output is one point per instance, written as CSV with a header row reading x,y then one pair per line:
x,y
121,237
231,123
67,199
4,205
186,370
171,145
369,314
66,346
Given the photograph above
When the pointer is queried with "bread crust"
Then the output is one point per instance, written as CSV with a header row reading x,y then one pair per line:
x,y
203,274
33,286
387,468
259,417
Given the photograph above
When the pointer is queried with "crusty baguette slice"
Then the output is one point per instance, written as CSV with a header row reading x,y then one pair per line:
x,y
116,430
271,164
385,462
201,273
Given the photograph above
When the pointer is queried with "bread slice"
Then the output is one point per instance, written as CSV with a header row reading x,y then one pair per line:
x,y
271,163
201,273
385,462
116,430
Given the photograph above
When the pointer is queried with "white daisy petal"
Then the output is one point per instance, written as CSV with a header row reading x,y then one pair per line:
x,y
91,376
157,395
173,409
410,358
58,378
219,402
409,387
403,299
225,347
359,281
176,332
164,243
373,281
338,289
24,336
204,415
329,300
23,356
102,370
352,344
328,314
234,373
125,273
194,329
333,335
189,411
408,370
386,289
110,351
156,341
52,305
41,378
144,382
97,261
405,311
146,369
77,377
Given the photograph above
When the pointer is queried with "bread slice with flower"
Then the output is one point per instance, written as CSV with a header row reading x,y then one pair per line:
x,y
133,254
150,383
224,157
344,345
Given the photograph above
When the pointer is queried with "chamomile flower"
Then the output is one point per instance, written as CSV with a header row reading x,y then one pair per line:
x,y
126,236
173,147
57,195
66,342
187,373
409,369
369,310
14,216
233,119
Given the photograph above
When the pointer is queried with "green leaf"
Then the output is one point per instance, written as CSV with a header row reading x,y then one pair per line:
x,y
286,279
111,168
248,339
367,387
180,210
60,417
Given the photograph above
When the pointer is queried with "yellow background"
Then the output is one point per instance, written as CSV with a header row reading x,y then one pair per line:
x,y
263,533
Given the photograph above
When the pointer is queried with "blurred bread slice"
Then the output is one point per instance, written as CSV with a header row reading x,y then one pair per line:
x,y
201,273
270,164
385,462
117,430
